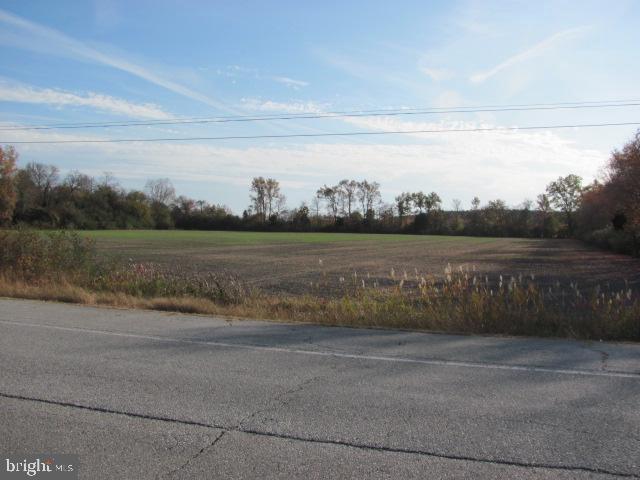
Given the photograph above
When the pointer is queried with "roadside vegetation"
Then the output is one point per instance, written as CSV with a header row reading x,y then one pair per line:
x,y
605,213
63,266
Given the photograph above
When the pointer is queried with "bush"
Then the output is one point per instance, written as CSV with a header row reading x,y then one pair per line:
x,y
28,254
609,238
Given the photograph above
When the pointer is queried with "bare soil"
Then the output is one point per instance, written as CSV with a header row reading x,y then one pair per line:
x,y
326,267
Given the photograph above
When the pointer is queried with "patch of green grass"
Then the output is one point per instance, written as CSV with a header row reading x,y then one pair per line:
x,y
227,238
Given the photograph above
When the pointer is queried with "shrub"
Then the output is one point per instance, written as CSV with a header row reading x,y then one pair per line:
x,y
617,240
29,254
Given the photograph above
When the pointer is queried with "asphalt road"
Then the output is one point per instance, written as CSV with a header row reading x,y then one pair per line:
x,y
154,395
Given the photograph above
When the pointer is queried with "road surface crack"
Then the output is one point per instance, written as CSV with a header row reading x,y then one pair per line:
x,y
281,400
568,429
326,441
209,445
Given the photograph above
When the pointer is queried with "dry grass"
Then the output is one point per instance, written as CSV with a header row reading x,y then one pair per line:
x,y
62,291
458,300
455,306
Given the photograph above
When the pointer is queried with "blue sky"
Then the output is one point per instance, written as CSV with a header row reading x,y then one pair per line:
x,y
104,60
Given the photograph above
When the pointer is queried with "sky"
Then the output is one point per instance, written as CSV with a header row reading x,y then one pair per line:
x,y
122,61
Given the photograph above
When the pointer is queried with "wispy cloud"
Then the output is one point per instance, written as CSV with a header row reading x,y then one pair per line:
x,y
17,92
238,71
290,82
48,40
292,107
530,52
512,165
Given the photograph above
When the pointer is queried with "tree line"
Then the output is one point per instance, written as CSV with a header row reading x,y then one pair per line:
x,y
606,212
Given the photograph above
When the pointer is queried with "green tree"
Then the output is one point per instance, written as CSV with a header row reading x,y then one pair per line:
x,y
138,210
544,213
432,201
300,217
495,217
161,215
475,225
419,200
403,204
565,194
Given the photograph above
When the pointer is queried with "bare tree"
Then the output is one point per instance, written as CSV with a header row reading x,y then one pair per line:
x,y
348,189
259,197
201,204
456,205
160,191
368,194
275,199
280,204
316,204
266,198
185,205
44,177
109,180
76,181
330,196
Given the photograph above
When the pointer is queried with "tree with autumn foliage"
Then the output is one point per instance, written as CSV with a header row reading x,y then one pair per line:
x,y
610,208
623,185
8,159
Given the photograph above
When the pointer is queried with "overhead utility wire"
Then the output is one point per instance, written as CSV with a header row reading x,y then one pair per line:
x,y
365,113
335,134
356,111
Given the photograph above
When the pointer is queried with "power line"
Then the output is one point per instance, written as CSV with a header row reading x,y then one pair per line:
x,y
355,113
334,134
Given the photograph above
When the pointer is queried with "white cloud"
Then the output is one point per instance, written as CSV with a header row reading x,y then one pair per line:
x,y
47,40
290,82
281,107
15,92
531,52
512,165
238,71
